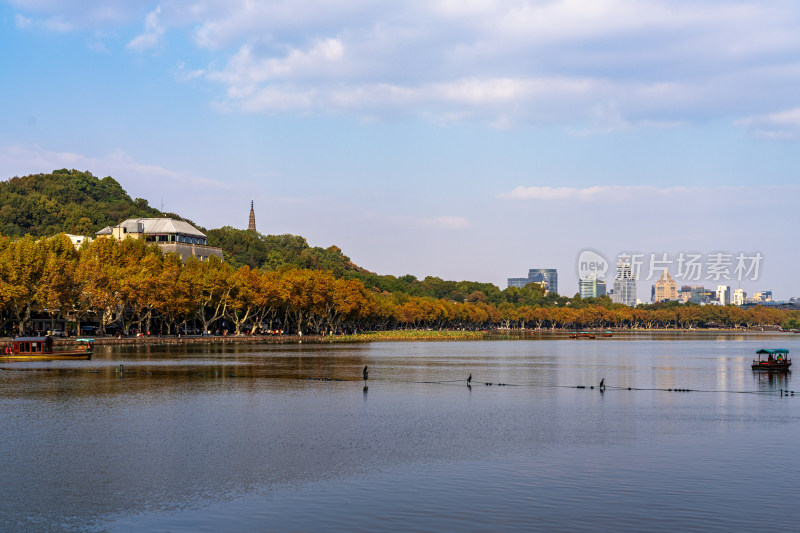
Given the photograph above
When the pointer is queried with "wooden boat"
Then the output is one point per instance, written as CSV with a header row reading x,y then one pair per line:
x,y
608,334
582,335
41,349
775,360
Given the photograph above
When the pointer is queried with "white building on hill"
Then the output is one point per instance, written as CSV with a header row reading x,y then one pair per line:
x,y
169,234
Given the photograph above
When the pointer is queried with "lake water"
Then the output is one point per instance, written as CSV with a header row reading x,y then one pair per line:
x,y
287,438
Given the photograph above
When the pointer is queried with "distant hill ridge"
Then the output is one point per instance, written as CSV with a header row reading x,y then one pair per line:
x,y
72,201
66,201
77,202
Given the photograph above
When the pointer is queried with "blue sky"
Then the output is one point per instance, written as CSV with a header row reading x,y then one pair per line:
x,y
469,139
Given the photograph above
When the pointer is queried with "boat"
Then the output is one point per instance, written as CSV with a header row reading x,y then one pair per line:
x,y
775,360
582,335
41,349
608,334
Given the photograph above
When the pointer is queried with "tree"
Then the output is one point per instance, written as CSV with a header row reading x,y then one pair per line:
x,y
141,288
242,303
22,269
212,287
177,291
100,277
58,287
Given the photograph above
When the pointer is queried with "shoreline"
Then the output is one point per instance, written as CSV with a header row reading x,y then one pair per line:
x,y
392,336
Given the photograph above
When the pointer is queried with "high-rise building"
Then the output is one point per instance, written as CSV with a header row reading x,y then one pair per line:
x,y
693,293
252,224
665,288
624,285
548,276
592,287
763,296
724,294
739,296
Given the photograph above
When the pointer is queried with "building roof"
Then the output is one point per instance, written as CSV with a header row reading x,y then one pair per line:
x,y
155,225
665,277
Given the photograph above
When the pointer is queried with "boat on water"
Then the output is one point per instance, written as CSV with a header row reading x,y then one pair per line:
x,y
608,334
41,349
582,335
772,360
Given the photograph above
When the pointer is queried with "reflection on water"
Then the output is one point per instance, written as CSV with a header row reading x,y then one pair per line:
x,y
291,438
770,380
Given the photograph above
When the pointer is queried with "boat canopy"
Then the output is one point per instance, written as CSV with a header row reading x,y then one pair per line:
x,y
773,352
84,340
30,339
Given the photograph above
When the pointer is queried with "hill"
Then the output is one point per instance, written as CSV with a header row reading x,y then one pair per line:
x,y
66,201
71,201
273,252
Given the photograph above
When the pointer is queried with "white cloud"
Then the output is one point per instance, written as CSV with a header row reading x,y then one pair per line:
x,y
225,23
58,25
587,194
22,22
68,15
457,99
642,194
182,74
602,67
451,222
246,69
595,67
444,222
98,47
153,31
780,125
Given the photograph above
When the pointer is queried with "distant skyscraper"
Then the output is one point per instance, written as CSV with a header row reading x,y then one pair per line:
x,y
693,293
739,296
665,288
763,296
548,276
624,285
724,294
252,225
591,287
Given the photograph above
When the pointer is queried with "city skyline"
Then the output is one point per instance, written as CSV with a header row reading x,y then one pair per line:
x,y
463,140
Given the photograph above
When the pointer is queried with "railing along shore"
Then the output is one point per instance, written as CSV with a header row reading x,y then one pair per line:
x,y
187,339
392,335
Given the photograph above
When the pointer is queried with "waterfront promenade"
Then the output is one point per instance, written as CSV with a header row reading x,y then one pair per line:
x,y
397,335
187,339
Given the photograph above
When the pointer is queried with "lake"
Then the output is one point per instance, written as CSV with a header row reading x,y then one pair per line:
x,y
287,437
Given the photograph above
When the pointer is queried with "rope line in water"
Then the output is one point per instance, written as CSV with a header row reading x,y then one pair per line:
x,y
120,371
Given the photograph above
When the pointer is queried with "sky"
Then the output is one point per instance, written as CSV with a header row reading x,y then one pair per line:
x,y
468,139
